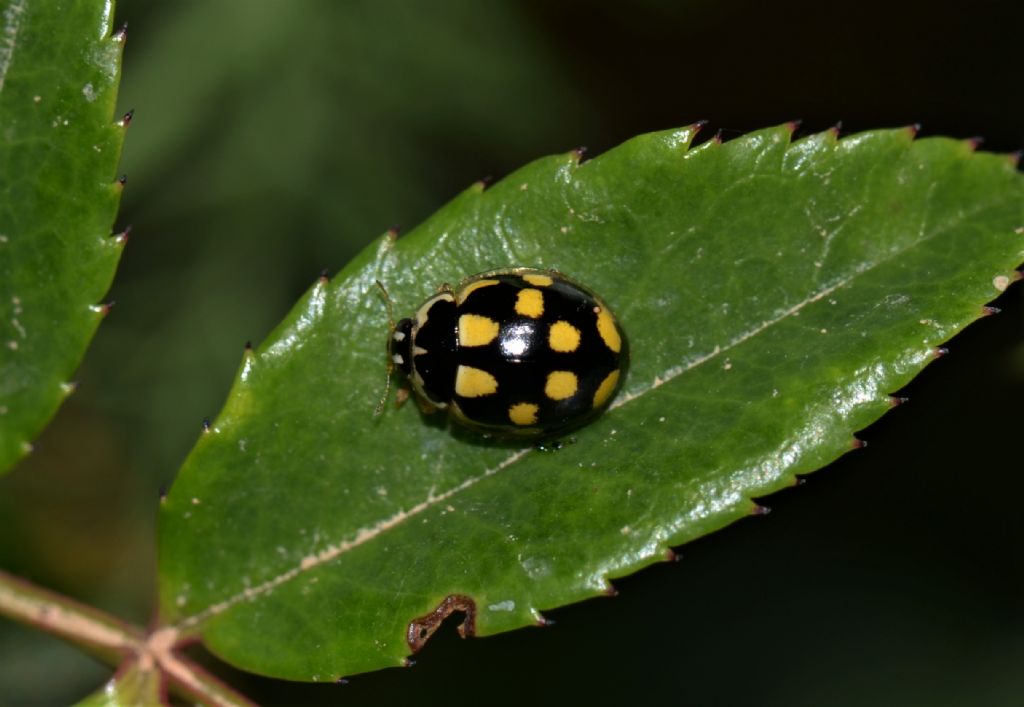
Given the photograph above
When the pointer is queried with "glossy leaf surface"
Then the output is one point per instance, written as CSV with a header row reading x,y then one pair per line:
x,y
774,294
59,149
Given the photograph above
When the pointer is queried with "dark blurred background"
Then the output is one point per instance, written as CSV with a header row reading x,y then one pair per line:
x,y
274,139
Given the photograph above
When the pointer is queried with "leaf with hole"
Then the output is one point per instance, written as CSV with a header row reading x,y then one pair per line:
x,y
59,70
774,292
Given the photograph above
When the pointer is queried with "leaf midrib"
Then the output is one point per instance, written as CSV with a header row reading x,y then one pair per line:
x,y
10,37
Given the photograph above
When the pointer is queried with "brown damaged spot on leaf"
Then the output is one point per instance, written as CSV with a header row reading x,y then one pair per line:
x,y
420,630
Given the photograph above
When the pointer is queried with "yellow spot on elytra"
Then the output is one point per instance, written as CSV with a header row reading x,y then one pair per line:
x,y
523,413
607,387
538,280
561,385
475,330
474,383
563,337
472,287
530,303
608,331
423,313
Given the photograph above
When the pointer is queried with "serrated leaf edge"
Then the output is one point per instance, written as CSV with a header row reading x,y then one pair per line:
x,y
191,624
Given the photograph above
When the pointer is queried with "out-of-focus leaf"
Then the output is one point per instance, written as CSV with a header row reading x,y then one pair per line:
x,y
59,148
774,293
133,686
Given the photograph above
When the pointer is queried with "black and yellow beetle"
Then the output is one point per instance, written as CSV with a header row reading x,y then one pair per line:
x,y
516,352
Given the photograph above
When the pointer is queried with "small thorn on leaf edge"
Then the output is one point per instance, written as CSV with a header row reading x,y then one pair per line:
x,y
973,143
123,236
103,309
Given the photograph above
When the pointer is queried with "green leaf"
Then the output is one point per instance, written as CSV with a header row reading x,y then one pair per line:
x,y
774,294
59,148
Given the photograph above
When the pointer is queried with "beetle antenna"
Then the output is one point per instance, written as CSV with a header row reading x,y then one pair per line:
x,y
391,364
387,303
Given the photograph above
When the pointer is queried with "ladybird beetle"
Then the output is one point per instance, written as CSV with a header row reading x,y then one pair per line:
x,y
517,352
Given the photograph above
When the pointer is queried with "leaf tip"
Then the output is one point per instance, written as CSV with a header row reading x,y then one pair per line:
x,y
121,34
121,181
939,352
578,155
836,130
988,311
858,443
1014,158
206,425
27,448
609,589
913,130
759,510
126,119
793,125
325,277
68,387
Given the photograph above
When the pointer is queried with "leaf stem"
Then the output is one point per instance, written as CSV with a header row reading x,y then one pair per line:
x,y
189,679
107,637
112,640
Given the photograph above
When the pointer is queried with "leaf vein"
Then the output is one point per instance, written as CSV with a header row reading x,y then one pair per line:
x,y
12,24
331,552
